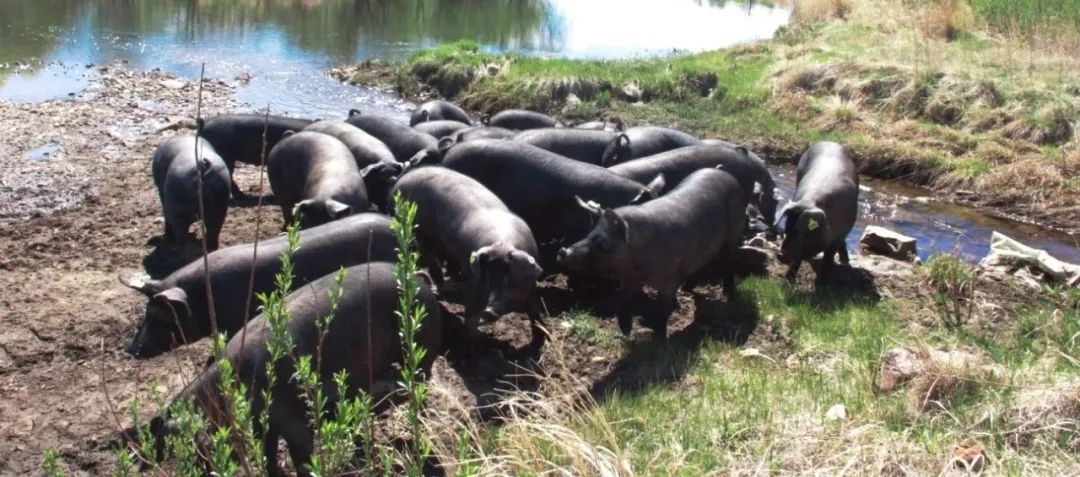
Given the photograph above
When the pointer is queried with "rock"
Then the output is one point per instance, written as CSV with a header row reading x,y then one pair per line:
x,y
898,365
173,83
177,123
877,265
902,364
886,242
836,413
1007,257
572,103
631,92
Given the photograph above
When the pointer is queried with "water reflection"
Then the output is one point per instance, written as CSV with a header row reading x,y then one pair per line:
x,y
286,45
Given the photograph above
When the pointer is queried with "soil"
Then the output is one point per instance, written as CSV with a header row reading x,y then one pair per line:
x,y
69,224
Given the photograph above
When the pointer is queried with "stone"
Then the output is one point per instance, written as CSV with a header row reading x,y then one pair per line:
x,y
173,83
886,242
837,413
1009,257
898,365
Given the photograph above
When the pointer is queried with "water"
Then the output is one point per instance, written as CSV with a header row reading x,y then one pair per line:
x,y
277,52
285,47
938,226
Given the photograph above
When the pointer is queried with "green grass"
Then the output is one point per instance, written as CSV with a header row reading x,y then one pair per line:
x,y
730,411
1029,14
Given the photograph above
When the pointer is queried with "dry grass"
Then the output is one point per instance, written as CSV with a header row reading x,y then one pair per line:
x,y
1042,415
808,11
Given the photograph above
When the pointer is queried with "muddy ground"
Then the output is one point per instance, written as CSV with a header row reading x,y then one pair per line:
x,y
71,222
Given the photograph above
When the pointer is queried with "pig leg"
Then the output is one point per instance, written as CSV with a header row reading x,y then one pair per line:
x,y
665,305
299,440
434,267
474,302
625,312
724,262
287,214
215,219
844,258
168,231
536,322
828,262
793,270
233,188
270,450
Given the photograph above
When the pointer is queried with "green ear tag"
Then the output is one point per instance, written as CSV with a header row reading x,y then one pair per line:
x,y
472,257
813,225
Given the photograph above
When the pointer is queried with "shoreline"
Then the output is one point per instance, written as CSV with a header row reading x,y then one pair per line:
x,y
997,142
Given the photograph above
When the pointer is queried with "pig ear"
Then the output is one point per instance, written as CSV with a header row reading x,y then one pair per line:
x,y
526,260
140,283
617,224
424,115
175,298
592,207
479,258
743,150
622,140
287,133
423,158
336,210
485,119
386,170
354,112
783,213
446,143
199,123
657,185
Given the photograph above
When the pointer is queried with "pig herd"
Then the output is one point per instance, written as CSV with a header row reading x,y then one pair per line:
x,y
501,205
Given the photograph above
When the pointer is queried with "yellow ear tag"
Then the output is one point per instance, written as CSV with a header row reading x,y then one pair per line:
x,y
472,257
813,225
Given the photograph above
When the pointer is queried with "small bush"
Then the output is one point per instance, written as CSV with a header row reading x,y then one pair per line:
x,y
953,283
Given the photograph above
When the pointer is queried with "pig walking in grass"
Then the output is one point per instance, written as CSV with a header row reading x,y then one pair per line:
x,y
461,222
177,310
365,316
662,242
823,210
176,177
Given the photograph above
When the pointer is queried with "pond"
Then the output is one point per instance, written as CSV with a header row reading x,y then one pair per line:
x,y
278,53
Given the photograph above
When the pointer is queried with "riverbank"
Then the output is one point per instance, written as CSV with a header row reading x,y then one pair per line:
x,y
934,96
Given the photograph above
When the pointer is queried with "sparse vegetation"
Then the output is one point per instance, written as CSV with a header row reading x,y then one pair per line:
x,y
953,286
951,94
